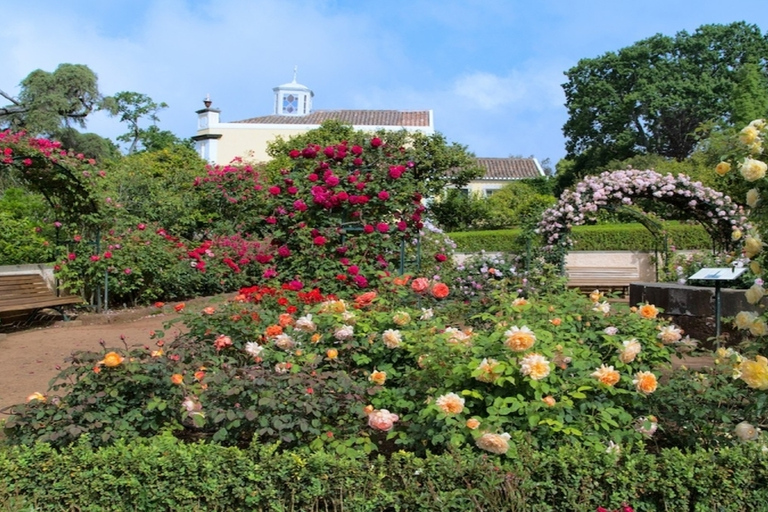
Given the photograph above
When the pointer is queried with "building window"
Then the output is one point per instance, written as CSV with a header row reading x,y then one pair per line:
x,y
290,104
490,191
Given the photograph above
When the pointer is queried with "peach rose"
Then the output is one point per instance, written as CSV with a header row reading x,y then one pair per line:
x,y
382,419
177,378
332,353
606,375
378,377
645,382
209,310
494,443
420,285
519,338
450,403
473,423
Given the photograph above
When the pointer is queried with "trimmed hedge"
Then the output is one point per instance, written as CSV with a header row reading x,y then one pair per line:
x,y
600,237
163,473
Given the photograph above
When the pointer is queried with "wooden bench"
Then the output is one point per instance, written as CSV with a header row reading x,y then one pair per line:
x,y
588,279
30,292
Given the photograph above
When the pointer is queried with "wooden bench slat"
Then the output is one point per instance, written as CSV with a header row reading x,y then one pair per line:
x,y
24,292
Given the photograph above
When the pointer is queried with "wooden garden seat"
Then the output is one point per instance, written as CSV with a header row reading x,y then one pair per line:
x,y
602,278
30,292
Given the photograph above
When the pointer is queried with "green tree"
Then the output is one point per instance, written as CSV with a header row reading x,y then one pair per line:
x,y
158,186
750,96
49,102
651,97
133,107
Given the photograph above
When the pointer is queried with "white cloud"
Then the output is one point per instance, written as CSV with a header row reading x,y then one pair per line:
x,y
530,88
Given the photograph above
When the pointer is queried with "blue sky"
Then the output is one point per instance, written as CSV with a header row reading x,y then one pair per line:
x,y
490,69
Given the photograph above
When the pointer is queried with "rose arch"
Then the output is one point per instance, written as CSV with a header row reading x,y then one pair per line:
x,y
723,219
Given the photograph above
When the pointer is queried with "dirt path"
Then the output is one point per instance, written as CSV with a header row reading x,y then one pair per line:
x,y
28,358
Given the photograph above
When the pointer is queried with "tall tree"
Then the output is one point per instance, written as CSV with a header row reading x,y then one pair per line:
x,y
651,97
49,102
133,107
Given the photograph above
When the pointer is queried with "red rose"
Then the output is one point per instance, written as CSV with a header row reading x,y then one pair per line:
x,y
382,227
440,257
376,142
319,240
383,195
294,153
368,229
274,190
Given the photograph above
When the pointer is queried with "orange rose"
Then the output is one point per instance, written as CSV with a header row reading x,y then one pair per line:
x,y
440,290
365,299
648,311
112,359
274,330
177,378
199,375
159,305
555,321
332,353
179,307
402,280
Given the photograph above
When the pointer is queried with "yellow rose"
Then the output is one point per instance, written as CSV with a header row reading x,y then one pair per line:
x,y
755,373
758,328
752,246
755,267
36,396
758,124
755,293
753,196
753,170
736,235
749,134
723,168
744,319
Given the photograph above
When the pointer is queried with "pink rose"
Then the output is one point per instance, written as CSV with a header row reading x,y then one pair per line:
x,y
368,229
382,227
420,285
382,419
319,240
274,191
383,195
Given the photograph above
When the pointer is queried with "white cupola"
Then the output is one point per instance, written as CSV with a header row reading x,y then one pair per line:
x,y
293,99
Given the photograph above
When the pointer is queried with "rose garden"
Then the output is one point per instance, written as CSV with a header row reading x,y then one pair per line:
x,y
352,365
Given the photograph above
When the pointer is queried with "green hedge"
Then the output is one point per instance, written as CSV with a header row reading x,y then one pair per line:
x,y
600,237
164,474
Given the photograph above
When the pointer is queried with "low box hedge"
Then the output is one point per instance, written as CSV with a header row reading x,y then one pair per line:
x,y
162,473
600,237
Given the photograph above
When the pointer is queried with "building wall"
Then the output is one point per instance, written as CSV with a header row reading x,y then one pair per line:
x,y
247,141
486,187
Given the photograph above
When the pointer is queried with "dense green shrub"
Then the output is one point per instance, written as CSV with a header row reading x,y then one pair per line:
x,y
601,237
161,473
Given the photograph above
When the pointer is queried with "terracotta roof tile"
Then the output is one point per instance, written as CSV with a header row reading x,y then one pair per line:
x,y
509,168
354,117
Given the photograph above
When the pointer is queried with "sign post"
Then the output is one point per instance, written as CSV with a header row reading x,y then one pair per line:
x,y
718,275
